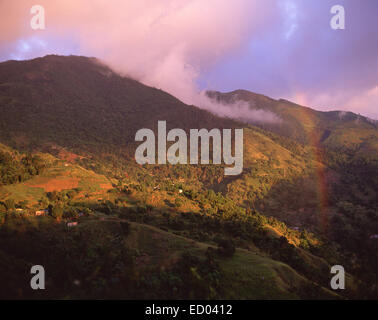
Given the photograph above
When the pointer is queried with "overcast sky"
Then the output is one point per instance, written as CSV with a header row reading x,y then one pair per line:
x,y
281,48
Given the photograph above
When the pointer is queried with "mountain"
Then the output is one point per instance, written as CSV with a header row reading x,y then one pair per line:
x,y
306,199
338,130
78,102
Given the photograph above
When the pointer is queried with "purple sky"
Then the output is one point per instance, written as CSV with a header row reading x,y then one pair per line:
x,y
301,55
281,48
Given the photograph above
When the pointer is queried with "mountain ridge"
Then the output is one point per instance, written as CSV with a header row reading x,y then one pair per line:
x,y
80,118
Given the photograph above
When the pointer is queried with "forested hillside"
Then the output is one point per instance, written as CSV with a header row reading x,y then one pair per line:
x,y
306,199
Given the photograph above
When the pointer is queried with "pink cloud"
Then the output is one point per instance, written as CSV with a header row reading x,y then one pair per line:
x,y
170,43
165,43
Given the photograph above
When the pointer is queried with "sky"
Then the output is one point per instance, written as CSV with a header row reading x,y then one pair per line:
x,y
280,48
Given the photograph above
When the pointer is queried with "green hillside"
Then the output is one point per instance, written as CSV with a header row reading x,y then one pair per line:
x,y
306,199
333,129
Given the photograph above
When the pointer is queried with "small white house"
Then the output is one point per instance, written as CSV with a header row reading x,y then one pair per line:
x,y
71,224
41,212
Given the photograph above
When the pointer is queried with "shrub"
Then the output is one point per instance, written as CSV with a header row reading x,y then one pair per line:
x,y
23,204
226,247
178,202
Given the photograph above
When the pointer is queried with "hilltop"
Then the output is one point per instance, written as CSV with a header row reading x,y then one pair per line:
x,y
338,130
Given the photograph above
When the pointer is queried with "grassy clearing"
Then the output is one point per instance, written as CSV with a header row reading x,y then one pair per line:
x,y
60,176
247,275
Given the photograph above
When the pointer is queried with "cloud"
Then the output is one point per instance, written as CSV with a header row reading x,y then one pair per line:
x,y
165,43
238,109
362,101
282,48
299,55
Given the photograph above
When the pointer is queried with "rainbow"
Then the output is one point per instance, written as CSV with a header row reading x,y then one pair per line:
x,y
313,138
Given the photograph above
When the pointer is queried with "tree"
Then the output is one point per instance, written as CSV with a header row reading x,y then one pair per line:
x,y
226,248
3,209
53,196
9,204
57,212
